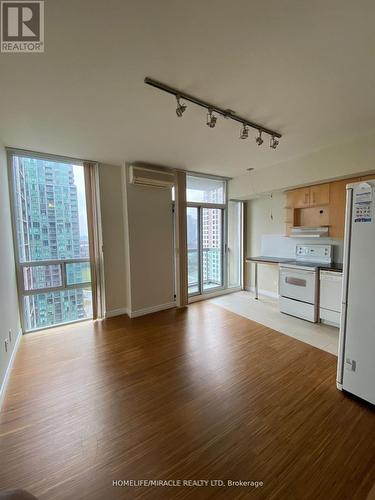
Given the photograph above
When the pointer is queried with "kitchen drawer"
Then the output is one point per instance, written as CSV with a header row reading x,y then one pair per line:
x,y
298,309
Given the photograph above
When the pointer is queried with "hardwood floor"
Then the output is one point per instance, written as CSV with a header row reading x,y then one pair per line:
x,y
193,394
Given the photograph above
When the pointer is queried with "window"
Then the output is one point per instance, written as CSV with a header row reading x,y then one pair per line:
x,y
205,231
59,291
205,190
235,243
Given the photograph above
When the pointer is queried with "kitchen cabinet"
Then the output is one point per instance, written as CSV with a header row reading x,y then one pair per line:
x,y
299,198
337,207
319,195
320,205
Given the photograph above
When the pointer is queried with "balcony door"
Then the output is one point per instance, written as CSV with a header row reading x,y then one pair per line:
x,y
206,215
51,241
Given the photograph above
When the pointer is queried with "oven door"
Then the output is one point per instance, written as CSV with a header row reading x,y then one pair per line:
x,y
298,284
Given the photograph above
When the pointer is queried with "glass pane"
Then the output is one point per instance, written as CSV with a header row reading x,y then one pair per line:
x,y
78,272
52,308
193,254
212,248
36,277
205,190
234,243
51,224
50,210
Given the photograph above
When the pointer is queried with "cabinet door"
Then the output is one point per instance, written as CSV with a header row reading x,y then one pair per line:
x,y
337,207
299,198
319,195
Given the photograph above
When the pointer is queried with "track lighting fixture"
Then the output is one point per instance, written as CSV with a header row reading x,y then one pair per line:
x,y
244,134
259,139
181,108
274,142
211,119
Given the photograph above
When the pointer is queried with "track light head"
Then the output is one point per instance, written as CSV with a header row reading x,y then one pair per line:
x,y
181,108
274,142
211,119
244,134
259,139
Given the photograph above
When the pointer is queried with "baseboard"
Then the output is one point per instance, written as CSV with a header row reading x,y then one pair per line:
x,y
152,309
117,312
9,369
266,293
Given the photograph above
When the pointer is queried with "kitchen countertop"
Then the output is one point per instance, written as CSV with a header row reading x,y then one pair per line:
x,y
334,266
269,260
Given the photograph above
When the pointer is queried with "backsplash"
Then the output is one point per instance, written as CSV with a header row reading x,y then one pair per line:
x,y
277,245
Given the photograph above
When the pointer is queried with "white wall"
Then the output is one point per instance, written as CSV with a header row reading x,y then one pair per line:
x,y
149,221
265,215
9,314
354,157
111,202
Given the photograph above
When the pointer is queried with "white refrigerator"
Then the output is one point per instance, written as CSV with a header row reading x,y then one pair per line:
x,y
356,356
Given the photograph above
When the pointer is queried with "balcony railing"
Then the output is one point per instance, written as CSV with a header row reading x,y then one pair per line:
x,y
54,275
212,271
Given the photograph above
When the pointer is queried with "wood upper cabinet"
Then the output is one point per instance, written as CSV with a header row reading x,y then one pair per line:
x,y
337,207
367,178
299,198
319,195
314,196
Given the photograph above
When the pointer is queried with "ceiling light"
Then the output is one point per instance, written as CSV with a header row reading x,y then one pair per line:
x,y
180,107
214,108
274,142
244,134
259,139
211,119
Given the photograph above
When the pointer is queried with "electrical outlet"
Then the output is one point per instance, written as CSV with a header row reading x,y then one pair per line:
x,y
6,345
10,336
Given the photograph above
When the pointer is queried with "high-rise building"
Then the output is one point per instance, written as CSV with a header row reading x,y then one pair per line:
x,y
211,239
47,222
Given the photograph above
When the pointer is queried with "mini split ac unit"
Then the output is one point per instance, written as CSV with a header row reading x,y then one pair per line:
x,y
141,176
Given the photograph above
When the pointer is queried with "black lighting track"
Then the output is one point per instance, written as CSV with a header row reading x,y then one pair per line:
x,y
203,104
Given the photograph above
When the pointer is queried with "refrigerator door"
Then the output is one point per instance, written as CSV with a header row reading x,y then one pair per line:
x,y
358,335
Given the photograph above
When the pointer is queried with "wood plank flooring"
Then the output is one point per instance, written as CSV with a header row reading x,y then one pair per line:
x,y
192,394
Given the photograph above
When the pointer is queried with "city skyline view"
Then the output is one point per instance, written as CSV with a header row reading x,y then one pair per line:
x,y
51,225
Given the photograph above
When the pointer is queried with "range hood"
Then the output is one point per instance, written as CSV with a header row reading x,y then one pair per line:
x,y
309,232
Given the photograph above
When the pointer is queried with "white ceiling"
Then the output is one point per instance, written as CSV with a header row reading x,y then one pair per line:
x,y
304,68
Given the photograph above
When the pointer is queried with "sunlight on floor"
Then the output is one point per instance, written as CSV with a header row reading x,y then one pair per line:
x,y
266,311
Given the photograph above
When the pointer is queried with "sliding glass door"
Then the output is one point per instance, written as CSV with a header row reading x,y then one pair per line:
x,y
206,215
51,241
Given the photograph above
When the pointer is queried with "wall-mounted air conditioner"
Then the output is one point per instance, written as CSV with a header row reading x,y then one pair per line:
x,y
142,176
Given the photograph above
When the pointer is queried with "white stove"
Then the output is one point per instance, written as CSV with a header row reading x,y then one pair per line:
x,y
298,281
